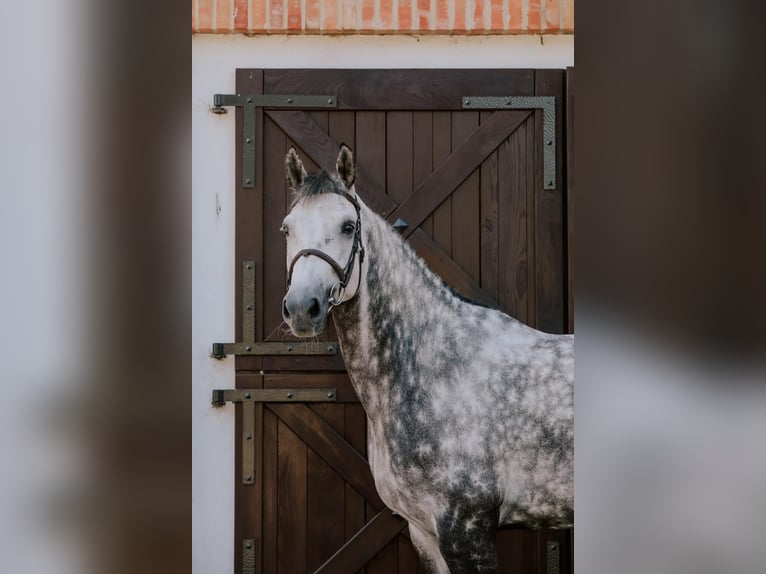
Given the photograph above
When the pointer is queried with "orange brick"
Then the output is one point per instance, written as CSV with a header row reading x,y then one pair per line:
x,y
405,15
294,15
205,16
568,20
424,14
496,18
194,16
478,15
533,16
312,15
258,16
386,15
514,12
368,16
240,15
552,16
442,15
330,18
276,18
223,16
348,16
460,25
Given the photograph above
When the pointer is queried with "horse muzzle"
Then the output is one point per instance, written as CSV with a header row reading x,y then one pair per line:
x,y
305,313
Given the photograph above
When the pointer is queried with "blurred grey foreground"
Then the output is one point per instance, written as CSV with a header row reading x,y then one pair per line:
x,y
670,458
94,244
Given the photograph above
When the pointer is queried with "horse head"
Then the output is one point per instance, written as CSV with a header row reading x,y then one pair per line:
x,y
324,243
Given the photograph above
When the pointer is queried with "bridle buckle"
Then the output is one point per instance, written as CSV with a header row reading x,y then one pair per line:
x,y
336,294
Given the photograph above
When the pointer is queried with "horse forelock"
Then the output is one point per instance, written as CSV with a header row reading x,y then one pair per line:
x,y
318,184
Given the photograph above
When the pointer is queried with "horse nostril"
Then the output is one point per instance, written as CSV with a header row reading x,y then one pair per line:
x,y
314,308
285,312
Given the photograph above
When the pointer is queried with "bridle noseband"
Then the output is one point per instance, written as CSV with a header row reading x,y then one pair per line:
x,y
337,290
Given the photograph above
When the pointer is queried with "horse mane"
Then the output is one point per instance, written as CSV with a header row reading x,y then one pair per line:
x,y
462,297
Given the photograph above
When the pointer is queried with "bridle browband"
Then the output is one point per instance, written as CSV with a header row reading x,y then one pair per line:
x,y
337,290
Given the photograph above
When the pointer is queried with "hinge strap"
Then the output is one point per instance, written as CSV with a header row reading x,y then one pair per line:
x,y
248,103
546,103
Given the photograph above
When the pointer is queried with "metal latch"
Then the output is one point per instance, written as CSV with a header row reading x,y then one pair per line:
x,y
547,104
251,400
248,102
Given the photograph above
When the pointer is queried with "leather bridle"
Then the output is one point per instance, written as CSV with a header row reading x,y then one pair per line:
x,y
344,274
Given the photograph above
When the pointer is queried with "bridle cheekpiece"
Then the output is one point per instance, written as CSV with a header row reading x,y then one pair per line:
x,y
337,291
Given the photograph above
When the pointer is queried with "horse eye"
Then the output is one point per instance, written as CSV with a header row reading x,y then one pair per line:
x,y
348,228
284,230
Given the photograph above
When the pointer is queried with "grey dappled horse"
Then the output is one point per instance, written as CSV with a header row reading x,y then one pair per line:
x,y
470,412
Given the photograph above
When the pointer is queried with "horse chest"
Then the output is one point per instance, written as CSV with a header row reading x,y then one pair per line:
x,y
400,486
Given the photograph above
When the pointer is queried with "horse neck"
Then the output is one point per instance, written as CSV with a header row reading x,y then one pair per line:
x,y
399,300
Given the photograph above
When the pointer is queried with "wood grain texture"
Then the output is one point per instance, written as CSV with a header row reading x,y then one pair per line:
x,y
328,444
569,125
494,235
325,512
358,551
466,196
291,505
274,284
469,152
270,489
248,245
422,150
549,216
399,155
400,89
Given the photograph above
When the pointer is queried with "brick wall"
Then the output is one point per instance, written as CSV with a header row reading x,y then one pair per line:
x,y
383,16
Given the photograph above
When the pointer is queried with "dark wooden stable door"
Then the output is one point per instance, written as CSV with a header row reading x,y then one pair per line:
x,y
470,186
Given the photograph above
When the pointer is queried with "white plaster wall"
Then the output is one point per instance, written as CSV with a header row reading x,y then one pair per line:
x,y
214,60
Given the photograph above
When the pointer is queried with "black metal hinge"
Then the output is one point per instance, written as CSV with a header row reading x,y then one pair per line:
x,y
546,103
552,557
249,102
249,346
248,556
252,400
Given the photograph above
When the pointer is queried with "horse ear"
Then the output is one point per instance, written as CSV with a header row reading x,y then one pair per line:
x,y
346,165
294,169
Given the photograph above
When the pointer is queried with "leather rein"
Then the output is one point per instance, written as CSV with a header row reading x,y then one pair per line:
x,y
344,274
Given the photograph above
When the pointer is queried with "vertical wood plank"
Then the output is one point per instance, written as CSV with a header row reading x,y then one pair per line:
x,y
465,203
513,230
355,431
270,491
489,221
531,543
291,496
549,216
248,215
325,502
399,150
533,157
249,207
341,128
239,523
371,147
422,138
570,196
510,552
442,146
276,194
